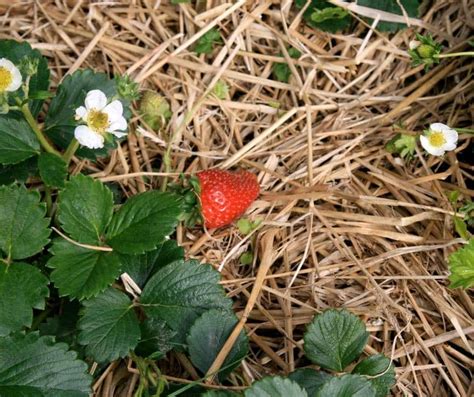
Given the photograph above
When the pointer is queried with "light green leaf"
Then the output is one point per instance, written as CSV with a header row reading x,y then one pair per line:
x,y
17,140
180,292
52,169
156,339
374,367
24,228
207,337
461,266
391,6
404,145
108,327
85,209
275,387
60,122
18,301
33,366
334,339
309,379
141,267
320,15
143,222
82,273
17,52
347,386
461,228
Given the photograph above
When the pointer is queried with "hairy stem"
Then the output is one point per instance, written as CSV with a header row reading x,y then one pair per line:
x,y
456,54
39,134
71,149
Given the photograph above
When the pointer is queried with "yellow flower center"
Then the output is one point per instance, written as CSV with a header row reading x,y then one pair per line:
x,y
6,78
98,121
437,139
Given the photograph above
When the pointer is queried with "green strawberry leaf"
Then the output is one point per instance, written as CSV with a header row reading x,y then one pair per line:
x,y
220,393
18,52
461,228
391,6
85,209
17,303
81,273
347,386
71,93
63,326
17,140
52,169
275,387
309,379
143,222
334,339
18,172
321,14
24,228
180,292
207,337
156,339
281,72
461,266
141,267
109,326
206,42
380,371
33,366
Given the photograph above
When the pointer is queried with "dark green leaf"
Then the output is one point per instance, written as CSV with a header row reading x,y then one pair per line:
x,y
220,393
334,339
85,209
143,222
325,16
18,300
281,72
347,386
33,366
52,169
17,140
109,326
275,387
17,52
180,1
63,325
82,273
207,337
180,292
156,339
391,6
380,371
461,266
141,267
205,44
23,226
60,122
18,172
309,379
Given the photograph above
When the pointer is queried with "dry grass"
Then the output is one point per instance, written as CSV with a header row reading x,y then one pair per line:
x,y
345,223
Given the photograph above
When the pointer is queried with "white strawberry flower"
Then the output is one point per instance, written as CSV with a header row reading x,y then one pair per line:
x,y
10,76
439,139
100,119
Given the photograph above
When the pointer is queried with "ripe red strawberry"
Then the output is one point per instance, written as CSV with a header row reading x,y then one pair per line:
x,y
225,195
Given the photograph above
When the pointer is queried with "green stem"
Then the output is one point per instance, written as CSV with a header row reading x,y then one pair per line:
x,y
456,54
71,149
465,130
49,200
34,126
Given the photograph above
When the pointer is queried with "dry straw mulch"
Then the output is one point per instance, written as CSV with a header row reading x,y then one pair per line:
x,y
345,223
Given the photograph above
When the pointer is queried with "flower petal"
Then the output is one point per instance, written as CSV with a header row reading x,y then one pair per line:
x,y
81,113
95,99
87,137
118,134
114,110
451,136
119,124
440,127
450,146
16,81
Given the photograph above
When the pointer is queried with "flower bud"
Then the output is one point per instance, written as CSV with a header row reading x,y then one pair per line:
x,y
127,88
155,110
426,51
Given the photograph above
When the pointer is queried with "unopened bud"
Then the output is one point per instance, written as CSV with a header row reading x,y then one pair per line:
x,y
155,110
